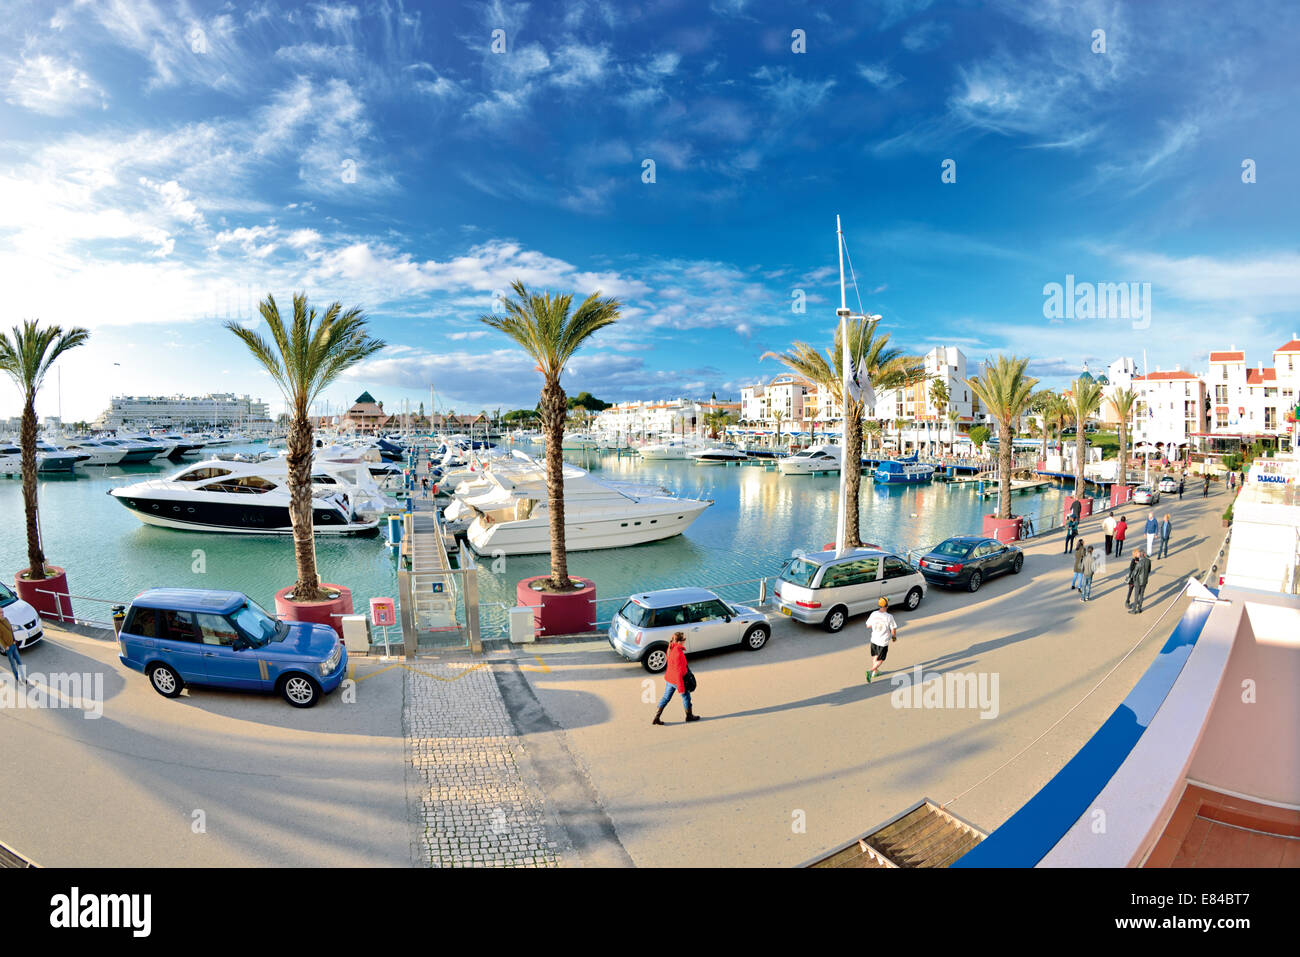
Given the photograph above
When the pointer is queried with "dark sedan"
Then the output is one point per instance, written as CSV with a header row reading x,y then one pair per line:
x,y
968,561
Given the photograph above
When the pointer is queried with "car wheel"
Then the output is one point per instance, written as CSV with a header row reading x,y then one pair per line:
x,y
299,690
655,659
165,681
1018,564
975,581
756,637
913,599
836,619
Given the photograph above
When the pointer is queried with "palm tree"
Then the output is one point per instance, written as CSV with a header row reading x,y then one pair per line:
x,y
1085,399
778,415
303,360
953,416
940,397
871,431
1123,402
717,420
1005,390
1042,402
886,367
543,327
26,356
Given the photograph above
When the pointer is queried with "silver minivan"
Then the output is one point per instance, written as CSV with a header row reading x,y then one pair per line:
x,y
826,589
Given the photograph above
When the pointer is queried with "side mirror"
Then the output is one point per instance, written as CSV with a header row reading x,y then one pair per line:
x,y
239,644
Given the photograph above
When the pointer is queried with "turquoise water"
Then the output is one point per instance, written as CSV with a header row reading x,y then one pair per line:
x,y
758,518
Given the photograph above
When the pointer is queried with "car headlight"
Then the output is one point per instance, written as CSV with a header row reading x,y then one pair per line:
x,y
332,662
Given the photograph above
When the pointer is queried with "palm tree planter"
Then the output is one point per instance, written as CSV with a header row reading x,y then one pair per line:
x,y
303,360
542,326
26,357
1085,399
1006,392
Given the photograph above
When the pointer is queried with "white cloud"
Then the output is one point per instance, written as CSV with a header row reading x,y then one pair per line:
x,y
879,75
46,85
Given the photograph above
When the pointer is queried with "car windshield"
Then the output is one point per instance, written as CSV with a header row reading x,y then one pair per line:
x,y
6,596
256,625
800,572
638,616
953,548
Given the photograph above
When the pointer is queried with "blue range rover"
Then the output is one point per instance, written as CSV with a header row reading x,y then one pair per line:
x,y
180,636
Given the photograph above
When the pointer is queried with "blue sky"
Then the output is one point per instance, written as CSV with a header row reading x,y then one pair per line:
x,y
163,165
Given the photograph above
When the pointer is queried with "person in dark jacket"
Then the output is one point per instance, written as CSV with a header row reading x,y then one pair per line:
x,y
1181,483
1076,510
1206,490
1071,529
1089,568
675,678
1128,598
1121,529
1080,552
1141,574
1166,531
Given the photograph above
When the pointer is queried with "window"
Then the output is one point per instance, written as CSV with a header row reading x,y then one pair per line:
x,y
897,568
142,622
851,573
216,630
800,572
668,617
248,484
712,610
198,475
180,626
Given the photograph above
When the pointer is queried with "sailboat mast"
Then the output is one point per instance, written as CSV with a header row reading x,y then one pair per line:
x,y
841,522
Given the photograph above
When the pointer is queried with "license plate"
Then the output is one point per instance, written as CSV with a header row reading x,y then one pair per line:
x,y
786,611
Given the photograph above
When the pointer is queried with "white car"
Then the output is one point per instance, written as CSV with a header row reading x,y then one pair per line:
x,y
825,588
22,618
1168,484
642,627
1146,495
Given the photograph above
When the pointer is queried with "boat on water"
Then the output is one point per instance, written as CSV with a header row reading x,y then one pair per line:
x,y
673,450
96,452
511,513
812,460
579,442
903,471
48,458
219,495
720,455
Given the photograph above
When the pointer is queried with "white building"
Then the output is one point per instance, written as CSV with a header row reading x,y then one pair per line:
x,y
1170,409
646,419
927,426
1118,378
797,399
216,410
1251,403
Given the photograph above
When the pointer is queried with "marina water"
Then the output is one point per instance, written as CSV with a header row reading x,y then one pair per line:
x,y
758,519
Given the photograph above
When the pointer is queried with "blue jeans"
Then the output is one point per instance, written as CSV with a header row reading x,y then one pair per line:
x,y
668,696
1164,548
1087,587
15,662
1078,581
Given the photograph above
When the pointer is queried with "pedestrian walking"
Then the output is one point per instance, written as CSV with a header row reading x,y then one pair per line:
x,y
1108,526
1071,529
1076,510
1166,530
1089,568
1152,528
1181,482
1080,551
884,629
9,646
1232,481
676,678
1132,562
1141,574
1205,491
1121,529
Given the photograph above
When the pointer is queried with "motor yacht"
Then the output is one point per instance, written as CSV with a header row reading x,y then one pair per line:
x,y
812,460
672,450
721,455
514,518
96,452
903,471
218,495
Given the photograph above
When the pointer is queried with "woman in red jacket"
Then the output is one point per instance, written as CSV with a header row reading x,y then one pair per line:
x,y
675,678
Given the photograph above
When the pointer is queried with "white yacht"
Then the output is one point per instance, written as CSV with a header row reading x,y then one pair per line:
x,y
672,450
513,517
812,460
96,452
253,498
11,459
720,455
579,442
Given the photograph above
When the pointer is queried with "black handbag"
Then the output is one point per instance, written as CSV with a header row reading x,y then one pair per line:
x,y
689,681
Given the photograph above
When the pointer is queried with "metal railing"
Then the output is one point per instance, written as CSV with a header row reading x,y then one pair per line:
x,y
71,616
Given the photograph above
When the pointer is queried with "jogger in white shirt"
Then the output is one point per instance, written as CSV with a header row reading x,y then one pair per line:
x,y
883,630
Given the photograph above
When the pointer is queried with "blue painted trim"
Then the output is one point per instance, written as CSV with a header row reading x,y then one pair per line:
x,y
1030,833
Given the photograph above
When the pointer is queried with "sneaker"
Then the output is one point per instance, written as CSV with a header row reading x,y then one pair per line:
x,y
868,676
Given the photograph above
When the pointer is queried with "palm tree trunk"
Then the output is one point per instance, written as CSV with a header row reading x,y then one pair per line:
x,y
553,408
852,466
1122,473
1078,460
298,443
1004,469
1044,424
27,437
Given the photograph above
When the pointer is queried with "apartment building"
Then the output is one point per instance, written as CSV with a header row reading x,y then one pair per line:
x,y
788,394
1252,403
218,409
1170,409
644,419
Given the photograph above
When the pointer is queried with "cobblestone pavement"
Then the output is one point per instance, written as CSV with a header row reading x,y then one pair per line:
x,y
477,804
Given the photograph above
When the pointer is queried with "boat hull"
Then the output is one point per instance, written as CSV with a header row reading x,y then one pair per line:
x,y
236,517
533,536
